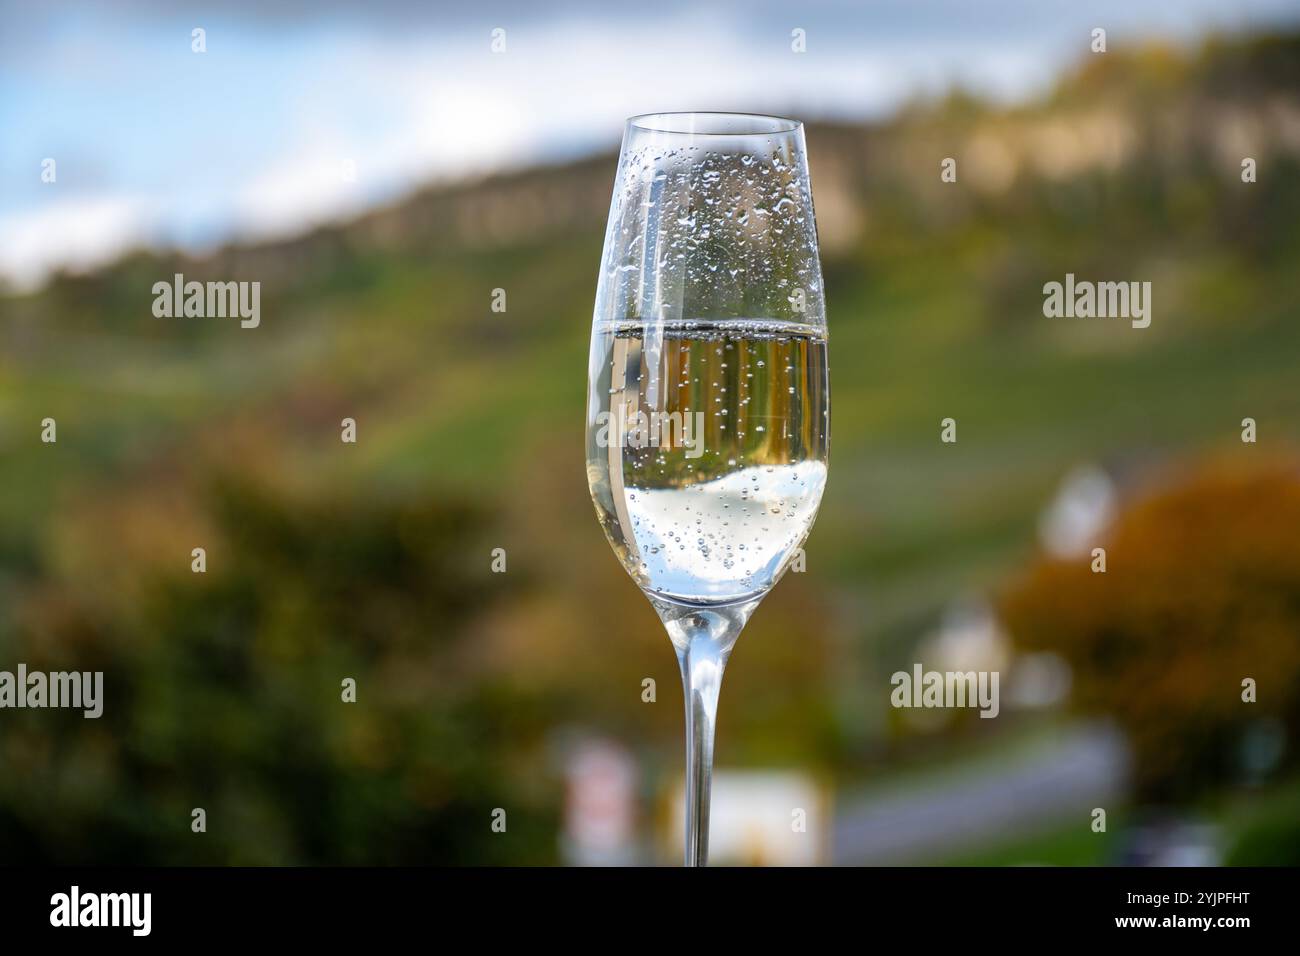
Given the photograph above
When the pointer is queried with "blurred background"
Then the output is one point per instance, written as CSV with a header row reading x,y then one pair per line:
x,y
380,170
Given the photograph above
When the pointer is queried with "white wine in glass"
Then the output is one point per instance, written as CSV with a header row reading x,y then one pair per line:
x,y
708,405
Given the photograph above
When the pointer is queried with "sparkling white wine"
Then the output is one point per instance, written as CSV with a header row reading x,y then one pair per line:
x,y
707,451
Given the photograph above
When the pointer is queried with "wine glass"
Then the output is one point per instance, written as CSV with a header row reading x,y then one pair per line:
x,y
708,400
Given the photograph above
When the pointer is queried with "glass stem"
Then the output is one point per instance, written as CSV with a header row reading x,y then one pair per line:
x,y
702,663
703,638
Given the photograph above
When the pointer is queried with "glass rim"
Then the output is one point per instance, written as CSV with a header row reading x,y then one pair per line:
x,y
713,123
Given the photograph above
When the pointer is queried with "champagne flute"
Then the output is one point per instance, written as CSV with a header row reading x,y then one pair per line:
x,y
708,400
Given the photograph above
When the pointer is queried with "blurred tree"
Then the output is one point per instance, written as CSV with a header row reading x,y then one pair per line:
x,y
224,691
1202,590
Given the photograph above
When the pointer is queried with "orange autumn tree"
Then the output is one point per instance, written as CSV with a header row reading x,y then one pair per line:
x,y
1201,591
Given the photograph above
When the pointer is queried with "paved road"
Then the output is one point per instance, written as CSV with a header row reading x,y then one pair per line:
x,y
1087,769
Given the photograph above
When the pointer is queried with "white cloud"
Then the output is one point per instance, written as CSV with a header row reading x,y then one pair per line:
x,y
76,233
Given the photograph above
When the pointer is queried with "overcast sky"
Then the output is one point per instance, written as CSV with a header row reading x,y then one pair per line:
x,y
303,111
